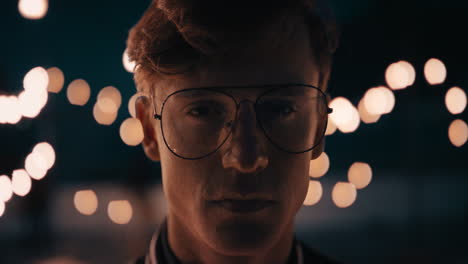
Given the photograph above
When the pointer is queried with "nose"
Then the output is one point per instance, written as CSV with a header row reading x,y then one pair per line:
x,y
245,151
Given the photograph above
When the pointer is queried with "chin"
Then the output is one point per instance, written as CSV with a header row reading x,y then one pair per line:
x,y
242,237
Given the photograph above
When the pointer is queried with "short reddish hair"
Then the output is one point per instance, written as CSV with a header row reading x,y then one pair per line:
x,y
176,36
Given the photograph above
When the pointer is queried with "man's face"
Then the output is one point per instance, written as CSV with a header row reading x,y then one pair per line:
x,y
247,168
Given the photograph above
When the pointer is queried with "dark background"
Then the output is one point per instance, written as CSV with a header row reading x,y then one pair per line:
x,y
414,211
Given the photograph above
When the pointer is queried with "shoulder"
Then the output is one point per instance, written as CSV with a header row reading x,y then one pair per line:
x,y
313,256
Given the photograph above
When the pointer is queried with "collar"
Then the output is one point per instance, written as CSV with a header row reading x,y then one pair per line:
x,y
160,253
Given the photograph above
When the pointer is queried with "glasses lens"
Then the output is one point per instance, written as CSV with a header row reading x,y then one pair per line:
x,y
196,122
293,117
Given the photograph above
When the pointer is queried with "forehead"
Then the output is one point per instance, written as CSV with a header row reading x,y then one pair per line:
x,y
291,61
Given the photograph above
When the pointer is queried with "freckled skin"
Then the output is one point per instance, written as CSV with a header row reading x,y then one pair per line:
x,y
200,232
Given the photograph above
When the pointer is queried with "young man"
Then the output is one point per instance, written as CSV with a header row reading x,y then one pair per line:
x,y
235,110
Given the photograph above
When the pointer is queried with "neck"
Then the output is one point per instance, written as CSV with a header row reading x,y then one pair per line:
x,y
190,249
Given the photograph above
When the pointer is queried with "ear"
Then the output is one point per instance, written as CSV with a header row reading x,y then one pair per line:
x,y
144,112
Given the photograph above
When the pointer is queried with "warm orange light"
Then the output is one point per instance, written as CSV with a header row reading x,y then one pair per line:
x,y
86,202
410,70
56,80
360,174
33,9
397,76
21,182
435,71
127,63
352,123
37,79
10,110
78,92
36,165
6,191
132,104
331,127
47,152
109,99
314,193
378,101
455,100
103,118
131,131
458,133
344,194
120,212
32,102
2,208
343,111
319,166
366,117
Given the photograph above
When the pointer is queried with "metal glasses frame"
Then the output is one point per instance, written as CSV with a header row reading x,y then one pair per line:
x,y
216,89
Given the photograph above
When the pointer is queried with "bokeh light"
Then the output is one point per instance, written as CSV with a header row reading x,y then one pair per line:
x,y
410,70
127,63
344,194
21,182
56,80
47,152
10,110
379,100
37,79
78,92
120,212
103,118
353,122
109,99
6,191
131,131
319,166
36,165
458,133
455,100
435,71
2,208
397,76
360,174
331,127
343,114
33,9
32,102
132,104
86,202
314,193
366,117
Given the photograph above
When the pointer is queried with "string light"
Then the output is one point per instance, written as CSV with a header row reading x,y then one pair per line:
x,y
103,118
33,9
331,128
132,104
36,165
120,212
455,100
314,193
366,117
344,194
47,152
21,182
435,71
345,116
78,92
458,133
86,202
131,131
2,208
397,76
109,99
56,80
319,166
6,191
410,70
360,174
127,63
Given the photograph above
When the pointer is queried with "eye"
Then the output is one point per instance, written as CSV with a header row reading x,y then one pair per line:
x,y
278,109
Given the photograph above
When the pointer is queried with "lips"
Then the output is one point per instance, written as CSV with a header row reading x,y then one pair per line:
x,y
243,206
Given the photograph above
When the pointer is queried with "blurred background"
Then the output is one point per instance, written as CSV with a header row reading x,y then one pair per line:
x,y
76,187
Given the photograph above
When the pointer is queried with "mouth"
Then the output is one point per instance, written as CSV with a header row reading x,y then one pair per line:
x,y
243,206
